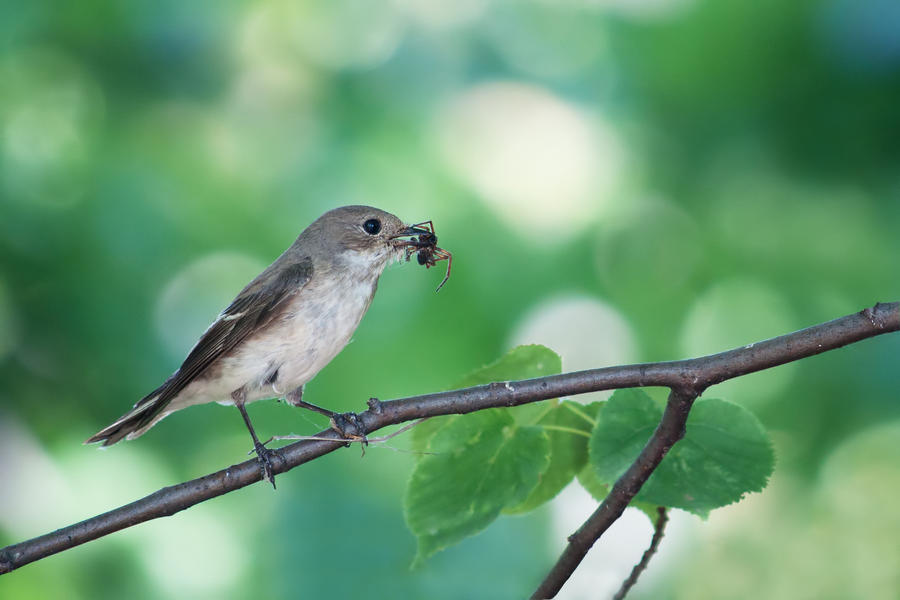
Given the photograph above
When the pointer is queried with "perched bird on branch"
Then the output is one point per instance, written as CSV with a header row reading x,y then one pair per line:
x,y
285,326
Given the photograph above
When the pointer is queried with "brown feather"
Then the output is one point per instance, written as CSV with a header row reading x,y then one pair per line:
x,y
255,307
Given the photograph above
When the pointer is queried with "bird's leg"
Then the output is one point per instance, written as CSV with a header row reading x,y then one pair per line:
x,y
262,453
295,398
346,424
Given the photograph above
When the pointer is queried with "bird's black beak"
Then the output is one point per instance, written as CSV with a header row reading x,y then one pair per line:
x,y
411,230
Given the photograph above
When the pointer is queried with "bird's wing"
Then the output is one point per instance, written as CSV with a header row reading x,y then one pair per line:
x,y
255,307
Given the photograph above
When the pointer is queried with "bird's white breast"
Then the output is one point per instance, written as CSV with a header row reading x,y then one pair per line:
x,y
315,326
317,329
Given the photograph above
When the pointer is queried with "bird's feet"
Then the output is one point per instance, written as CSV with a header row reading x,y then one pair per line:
x,y
348,425
267,459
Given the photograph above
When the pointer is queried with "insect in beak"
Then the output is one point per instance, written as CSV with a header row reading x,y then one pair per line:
x,y
426,249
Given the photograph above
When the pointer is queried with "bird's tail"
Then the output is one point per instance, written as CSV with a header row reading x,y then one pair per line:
x,y
135,422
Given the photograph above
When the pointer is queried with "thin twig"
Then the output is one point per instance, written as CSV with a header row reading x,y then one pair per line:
x,y
659,529
694,374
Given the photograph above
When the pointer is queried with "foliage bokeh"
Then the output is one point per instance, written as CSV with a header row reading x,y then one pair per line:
x,y
618,180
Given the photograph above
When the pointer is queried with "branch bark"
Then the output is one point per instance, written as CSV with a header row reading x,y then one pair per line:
x,y
687,379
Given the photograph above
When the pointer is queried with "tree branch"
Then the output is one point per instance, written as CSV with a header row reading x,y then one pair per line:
x,y
700,373
658,529
687,379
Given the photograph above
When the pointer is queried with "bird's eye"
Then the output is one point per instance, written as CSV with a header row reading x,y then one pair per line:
x,y
372,226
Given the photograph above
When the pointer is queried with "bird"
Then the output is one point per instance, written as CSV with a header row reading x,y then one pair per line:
x,y
283,327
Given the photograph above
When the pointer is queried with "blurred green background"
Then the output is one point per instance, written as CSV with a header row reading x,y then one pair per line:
x,y
622,180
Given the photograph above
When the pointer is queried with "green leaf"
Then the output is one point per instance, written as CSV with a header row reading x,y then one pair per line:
x,y
725,453
589,480
522,362
568,425
480,464
424,431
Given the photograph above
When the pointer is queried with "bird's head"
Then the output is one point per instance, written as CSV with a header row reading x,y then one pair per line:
x,y
360,236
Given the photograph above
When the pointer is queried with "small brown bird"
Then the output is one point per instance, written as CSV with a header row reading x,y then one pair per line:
x,y
284,327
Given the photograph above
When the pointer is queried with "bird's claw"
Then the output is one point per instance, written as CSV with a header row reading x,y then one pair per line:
x,y
348,426
265,456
